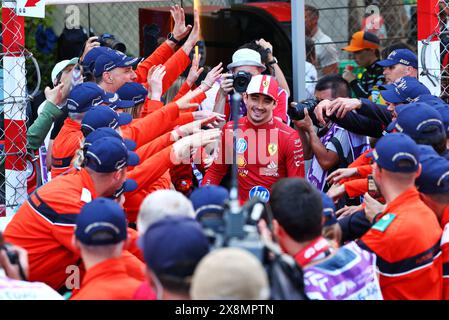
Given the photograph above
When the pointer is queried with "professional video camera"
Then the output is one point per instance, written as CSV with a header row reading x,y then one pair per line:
x,y
241,81
109,40
296,110
239,229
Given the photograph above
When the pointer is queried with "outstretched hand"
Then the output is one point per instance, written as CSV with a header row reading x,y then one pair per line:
x,y
183,148
213,75
184,102
194,36
195,70
155,81
180,30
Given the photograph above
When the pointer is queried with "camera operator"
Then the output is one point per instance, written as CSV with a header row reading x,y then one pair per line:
x,y
248,59
333,146
298,222
14,270
267,149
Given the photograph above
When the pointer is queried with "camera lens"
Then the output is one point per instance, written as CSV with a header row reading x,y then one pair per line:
x,y
108,40
119,46
296,111
241,81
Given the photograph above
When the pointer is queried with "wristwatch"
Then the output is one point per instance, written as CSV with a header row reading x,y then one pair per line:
x,y
274,61
172,38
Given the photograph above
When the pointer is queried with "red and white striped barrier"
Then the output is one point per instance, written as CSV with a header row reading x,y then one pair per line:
x,y
14,94
428,25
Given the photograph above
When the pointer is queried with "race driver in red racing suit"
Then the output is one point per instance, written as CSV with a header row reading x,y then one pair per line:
x,y
267,149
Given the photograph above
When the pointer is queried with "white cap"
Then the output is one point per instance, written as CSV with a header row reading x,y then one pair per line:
x,y
246,57
61,65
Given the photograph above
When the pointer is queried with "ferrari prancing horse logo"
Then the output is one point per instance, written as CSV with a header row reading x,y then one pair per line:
x,y
272,148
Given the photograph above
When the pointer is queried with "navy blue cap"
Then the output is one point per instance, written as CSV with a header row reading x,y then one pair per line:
x,y
85,95
111,60
133,91
328,210
127,186
420,121
429,99
402,56
396,152
103,116
404,90
89,94
101,222
174,246
107,132
109,155
209,199
434,178
115,102
443,109
391,127
92,55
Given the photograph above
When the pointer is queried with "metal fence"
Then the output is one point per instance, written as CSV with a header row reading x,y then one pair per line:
x,y
442,33
339,19
13,98
392,20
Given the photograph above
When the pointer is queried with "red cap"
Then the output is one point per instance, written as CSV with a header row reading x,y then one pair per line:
x,y
263,84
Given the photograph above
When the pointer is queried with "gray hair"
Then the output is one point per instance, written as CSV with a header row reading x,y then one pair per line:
x,y
160,204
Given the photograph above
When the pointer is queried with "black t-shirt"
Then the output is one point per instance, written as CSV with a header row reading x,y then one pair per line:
x,y
59,123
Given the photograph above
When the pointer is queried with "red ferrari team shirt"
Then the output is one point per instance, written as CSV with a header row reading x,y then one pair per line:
x,y
265,154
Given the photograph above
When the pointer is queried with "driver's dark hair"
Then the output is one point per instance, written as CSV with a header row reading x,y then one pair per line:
x,y
298,208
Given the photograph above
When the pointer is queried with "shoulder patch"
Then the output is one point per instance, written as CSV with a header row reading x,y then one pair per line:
x,y
384,222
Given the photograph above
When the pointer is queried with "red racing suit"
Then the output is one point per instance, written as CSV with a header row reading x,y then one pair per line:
x,y
265,154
